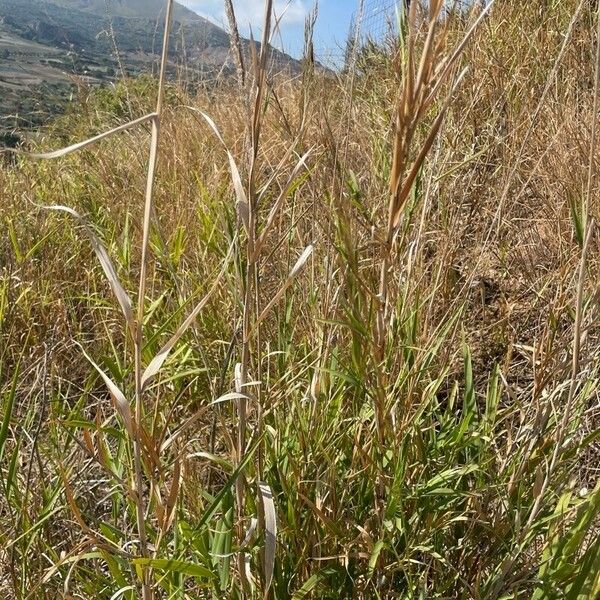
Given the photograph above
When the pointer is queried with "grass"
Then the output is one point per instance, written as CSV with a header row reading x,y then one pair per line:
x,y
363,358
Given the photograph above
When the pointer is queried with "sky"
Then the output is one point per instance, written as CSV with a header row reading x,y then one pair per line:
x,y
331,29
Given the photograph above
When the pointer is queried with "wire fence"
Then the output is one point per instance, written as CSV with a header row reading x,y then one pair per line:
x,y
378,20
372,19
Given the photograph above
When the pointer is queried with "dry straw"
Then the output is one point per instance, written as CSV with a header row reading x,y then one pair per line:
x,y
134,423
247,199
363,410
422,81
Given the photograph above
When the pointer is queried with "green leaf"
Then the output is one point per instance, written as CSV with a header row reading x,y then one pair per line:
x,y
587,583
175,566
469,403
491,400
578,219
10,402
375,556
312,582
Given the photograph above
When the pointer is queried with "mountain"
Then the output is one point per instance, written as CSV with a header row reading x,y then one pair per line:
x,y
141,9
45,44
104,26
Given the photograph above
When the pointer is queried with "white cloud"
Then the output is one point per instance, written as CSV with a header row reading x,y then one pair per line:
x,y
250,13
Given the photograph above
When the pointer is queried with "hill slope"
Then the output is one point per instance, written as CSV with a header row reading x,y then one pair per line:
x,y
141,9
84,24
43,43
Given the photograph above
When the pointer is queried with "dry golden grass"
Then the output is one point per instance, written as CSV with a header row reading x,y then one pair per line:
x,y
388,386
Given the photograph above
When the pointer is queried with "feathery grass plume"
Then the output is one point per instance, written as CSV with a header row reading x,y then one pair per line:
x,y
236,43
422,79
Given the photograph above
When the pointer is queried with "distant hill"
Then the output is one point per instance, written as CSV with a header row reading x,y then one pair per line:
x,y
44,43
141,9
63,24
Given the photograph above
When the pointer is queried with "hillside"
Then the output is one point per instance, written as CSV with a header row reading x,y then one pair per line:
x,y
44,45
142,9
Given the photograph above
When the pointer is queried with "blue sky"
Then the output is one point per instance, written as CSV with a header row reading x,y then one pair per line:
x,y
330,32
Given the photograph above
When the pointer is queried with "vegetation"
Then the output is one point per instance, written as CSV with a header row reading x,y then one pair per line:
x,y
363,359
50,50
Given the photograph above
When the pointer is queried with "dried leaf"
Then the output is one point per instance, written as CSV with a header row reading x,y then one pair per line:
x,y
279,203
244,213
231,396
290,278
173,493
119,400
235,172
107,266
447,65
87,440
301,261
249,533
157,362
80,145
404,188
538,486
237,375
270,520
